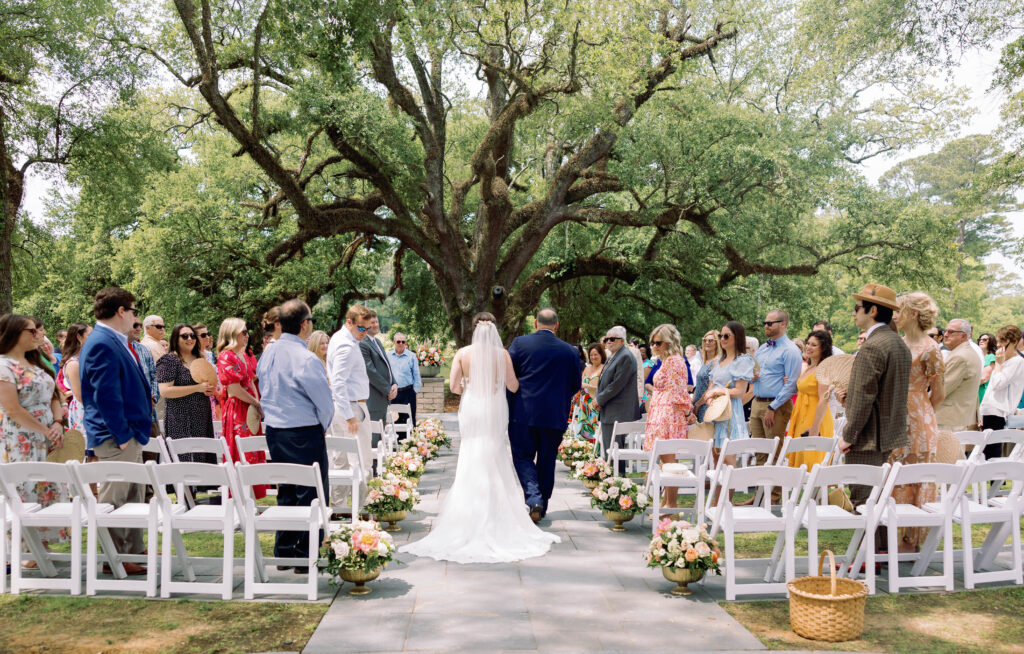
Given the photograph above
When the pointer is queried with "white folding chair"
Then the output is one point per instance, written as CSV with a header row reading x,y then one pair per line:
x,y
976,440
759,517
737,448
178,517
102,517
5,529
632,451
1013,436
249,445
820,444
816,514
158,446
27,517
311,519
1004,518
387,443
179,446
938,520
351,477
698,454
218,429
402,429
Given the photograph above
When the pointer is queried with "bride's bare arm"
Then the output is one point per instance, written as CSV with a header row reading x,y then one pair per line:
x,y
511,382
455,380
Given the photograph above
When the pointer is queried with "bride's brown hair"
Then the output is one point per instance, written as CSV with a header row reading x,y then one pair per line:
x,y
482,316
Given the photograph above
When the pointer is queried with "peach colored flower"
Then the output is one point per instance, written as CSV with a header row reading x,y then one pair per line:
x,y
691,555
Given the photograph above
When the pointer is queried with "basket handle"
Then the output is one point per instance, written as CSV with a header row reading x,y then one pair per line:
x,y
831,567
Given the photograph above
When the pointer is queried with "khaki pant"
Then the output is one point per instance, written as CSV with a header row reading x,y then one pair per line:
x,y
341,461
127,541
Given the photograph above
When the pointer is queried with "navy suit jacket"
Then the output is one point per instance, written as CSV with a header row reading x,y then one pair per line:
x,y
115,393
550,372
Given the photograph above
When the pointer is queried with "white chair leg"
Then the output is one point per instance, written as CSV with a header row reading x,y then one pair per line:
x,y
38,552
76,548
166,570
869,564
968,562
730,566
151,547
927,553
812,548
894,558
182,554
948,546
16,556
1017,564
314,555
228,562
91,562
250,567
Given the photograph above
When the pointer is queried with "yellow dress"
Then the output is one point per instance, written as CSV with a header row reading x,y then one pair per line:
x,y
803,418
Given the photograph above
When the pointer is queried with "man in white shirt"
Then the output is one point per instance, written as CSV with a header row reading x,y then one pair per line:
x,y
350,387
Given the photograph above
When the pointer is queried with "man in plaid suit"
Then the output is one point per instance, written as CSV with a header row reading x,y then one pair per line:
x,y
876,400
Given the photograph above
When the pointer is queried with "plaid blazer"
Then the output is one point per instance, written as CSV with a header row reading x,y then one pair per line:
x,y
876,401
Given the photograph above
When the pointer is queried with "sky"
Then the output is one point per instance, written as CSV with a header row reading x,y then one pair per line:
x,y
975,72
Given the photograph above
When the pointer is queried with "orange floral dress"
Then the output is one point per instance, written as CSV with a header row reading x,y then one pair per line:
x,y
232,369
927,367
670,402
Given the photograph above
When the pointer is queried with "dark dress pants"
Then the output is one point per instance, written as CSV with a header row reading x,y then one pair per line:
x,y
406,396
859,493
995,450
305,446
533,455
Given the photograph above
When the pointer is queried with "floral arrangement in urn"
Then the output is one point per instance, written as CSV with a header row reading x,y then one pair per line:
x,y
429,355
573,450
420,446
619,499
405,464
592,472
683,551
389,498
433,430
357,552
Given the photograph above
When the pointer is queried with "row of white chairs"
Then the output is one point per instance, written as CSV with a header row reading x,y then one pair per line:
x,y
163,514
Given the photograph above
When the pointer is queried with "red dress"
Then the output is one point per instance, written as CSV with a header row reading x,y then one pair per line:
x,y
233,370
666,417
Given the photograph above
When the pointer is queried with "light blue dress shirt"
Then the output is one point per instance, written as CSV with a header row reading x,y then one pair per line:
x,y
294,386
780,369
406,369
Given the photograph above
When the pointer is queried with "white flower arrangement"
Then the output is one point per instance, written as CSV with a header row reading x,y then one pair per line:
x,y
405,464
390,493
361,546
433,430
574,450
592,470
621,495
679,544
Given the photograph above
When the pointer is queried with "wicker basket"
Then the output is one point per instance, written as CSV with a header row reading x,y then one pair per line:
x,y
827,608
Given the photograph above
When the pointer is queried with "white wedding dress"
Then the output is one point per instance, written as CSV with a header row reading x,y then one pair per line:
x,y
484,517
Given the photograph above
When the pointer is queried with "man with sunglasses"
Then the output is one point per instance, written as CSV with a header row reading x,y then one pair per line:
x,y
876,399
780,363
406,369
961,379
617,398
117,401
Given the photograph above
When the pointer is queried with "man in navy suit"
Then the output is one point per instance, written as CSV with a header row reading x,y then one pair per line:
x,y
550,373
117,403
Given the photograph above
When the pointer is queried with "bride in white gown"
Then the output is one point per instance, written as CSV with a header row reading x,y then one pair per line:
x,y
484,518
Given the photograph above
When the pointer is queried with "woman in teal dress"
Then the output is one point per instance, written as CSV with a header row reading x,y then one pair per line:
x,y
731,374
583,419
987,343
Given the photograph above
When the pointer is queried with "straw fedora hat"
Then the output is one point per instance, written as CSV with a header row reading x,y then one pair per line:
x,y
719,408
878,294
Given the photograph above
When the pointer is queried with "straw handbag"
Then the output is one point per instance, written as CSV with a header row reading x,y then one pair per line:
x,y
827,608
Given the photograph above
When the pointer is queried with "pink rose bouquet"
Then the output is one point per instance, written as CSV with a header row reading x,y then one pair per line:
x,y
360,546
390,493
621,495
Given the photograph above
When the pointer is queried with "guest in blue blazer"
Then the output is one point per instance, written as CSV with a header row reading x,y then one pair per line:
x,y
550,372
117,403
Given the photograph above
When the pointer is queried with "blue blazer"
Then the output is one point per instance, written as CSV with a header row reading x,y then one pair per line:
x,y
550,372
115,393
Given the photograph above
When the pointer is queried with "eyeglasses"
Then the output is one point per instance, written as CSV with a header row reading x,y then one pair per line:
x,y
158,327
953,331
31,330
858,307
657,343
724,337
769,323
187,337
204,335
244,332
610,339
362,329
399,342
135,312
710,339
310,319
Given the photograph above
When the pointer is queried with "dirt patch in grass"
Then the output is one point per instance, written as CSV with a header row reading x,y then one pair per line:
x,y
71,624
967,622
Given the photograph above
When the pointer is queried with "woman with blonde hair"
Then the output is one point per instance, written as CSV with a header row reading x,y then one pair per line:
x,y
317,342
916,315
236,372
671,406
710,351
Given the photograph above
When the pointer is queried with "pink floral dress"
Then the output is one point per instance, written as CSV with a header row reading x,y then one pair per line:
x,y
670,402
35,390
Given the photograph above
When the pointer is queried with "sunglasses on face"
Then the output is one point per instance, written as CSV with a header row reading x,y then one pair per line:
x,y
610,339
657,343
858,307
310,319
135,312
187,337
399,342
724,337
137,325
362,329
710,339
158,327
204,335
769,323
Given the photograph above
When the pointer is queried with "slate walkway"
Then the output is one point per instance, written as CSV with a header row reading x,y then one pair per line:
x,y
590,593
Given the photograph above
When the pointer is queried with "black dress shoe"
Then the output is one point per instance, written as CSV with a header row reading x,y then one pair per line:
x,y
301,570
284,567
536,512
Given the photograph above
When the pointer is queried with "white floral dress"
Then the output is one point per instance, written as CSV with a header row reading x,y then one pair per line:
x,y
35,390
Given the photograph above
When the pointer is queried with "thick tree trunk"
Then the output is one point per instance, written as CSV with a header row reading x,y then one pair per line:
x,y
12,184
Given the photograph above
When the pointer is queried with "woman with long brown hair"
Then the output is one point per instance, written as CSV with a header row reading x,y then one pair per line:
x,y
69,379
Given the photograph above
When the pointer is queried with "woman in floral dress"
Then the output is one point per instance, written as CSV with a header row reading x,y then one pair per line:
x,y
671,405
916,316
583,418
236,372
30,412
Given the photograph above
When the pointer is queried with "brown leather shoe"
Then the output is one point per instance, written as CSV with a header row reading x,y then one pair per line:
x,y
130,569
536,512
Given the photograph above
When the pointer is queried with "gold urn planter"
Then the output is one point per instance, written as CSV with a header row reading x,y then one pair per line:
x,y
359,578
393,518
682,577
618,517
589,484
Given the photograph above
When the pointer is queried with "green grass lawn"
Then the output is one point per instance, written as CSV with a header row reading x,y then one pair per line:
x,y
966,622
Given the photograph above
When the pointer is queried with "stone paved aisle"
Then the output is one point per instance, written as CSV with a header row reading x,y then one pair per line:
x,y
590,593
